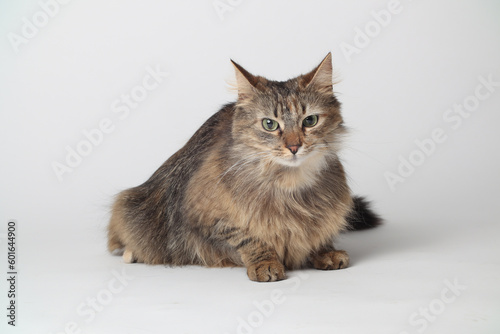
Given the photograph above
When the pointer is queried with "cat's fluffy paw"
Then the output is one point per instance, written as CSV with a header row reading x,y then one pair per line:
x,y
267,271
337,259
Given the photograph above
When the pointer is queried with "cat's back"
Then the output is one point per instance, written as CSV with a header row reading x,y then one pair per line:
x,y
176,171
185,161
161,196
155,210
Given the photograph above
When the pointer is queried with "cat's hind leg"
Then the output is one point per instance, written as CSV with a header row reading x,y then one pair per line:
x,y
115,245
128,256
115,229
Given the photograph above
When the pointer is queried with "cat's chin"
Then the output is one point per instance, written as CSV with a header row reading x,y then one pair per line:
x,y
312,161
294,161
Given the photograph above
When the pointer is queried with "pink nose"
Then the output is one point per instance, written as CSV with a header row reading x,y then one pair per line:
x,y
293,148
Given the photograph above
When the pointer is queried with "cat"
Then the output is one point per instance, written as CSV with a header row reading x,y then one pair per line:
x,y
259,185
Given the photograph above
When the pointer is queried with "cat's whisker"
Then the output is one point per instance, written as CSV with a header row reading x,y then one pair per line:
x,y
245,164
241,188
321,146
223,174
242,162
367,155
260,157
351,148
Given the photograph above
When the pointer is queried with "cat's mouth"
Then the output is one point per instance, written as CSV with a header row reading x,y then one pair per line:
x,y
293,161
298,160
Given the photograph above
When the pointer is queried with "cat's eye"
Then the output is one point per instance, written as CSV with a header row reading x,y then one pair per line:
x,y
310,121
270,124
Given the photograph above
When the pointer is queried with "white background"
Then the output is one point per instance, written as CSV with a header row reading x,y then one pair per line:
x,y
441,222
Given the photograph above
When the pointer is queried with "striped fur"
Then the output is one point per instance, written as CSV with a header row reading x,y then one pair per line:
x,y
236,194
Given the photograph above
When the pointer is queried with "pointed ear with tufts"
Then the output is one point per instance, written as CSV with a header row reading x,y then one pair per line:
x,y
246,82
321,77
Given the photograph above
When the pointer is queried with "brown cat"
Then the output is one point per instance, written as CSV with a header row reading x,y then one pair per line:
x,y
259,185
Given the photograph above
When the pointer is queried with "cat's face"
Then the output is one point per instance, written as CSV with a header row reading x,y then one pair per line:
x,y
288,123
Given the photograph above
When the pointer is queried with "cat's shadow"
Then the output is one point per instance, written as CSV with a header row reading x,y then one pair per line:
x,y
386,240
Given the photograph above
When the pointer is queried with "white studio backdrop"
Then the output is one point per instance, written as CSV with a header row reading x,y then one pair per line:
x,y
95,95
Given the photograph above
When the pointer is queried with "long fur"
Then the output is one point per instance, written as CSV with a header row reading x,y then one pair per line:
x,y
236,195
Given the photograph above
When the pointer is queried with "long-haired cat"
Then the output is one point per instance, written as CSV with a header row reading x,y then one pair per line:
x,y
259,185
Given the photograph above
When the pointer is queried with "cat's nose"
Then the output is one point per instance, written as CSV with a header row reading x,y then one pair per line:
x,y
293,148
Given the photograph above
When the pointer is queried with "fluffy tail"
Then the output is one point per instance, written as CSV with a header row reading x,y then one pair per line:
x,y
361,216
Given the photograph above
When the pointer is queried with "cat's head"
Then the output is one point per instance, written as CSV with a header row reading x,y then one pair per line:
x,y
290,123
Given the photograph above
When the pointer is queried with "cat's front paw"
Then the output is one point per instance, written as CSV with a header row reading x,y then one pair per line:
x,y
266,271
335,259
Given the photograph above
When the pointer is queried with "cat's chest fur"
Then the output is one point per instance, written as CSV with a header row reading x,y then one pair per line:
x,y
294,210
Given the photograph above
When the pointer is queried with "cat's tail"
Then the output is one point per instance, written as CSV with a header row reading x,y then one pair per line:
x,y
361,216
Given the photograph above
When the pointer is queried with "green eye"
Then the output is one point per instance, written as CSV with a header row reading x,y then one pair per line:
x,y
269,124
310,121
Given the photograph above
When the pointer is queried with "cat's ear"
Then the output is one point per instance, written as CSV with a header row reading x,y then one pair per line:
x,y
245,81
321,77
